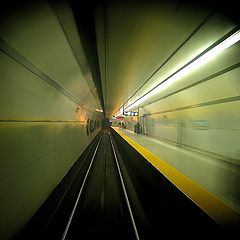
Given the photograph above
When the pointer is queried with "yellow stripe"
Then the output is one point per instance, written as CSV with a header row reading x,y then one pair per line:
x,y
221,212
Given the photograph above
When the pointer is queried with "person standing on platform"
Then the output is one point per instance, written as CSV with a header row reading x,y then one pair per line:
x,y
138,128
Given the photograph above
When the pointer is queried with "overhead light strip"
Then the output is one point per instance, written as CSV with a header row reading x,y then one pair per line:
x,y
202,59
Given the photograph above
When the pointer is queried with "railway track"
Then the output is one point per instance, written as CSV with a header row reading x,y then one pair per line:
x,y
102,207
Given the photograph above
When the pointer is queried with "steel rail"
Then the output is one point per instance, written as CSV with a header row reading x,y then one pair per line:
x,y
80,192
125,191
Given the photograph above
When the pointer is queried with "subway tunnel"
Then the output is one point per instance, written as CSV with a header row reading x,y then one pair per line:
x,y
119,119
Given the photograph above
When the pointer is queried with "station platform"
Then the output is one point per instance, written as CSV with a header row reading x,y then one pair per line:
x,y
189,171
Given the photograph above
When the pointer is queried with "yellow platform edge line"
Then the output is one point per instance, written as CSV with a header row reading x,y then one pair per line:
x,y
220,211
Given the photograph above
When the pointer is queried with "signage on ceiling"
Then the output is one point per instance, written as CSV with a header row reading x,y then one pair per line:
x,y
130,113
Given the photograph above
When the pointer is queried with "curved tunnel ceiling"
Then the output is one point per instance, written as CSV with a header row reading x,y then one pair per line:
x,y
135,39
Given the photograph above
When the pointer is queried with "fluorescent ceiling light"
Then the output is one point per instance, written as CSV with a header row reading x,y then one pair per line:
x,y
203,59
98,110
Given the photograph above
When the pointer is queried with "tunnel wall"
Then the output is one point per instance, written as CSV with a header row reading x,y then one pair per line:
x,y
47,100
